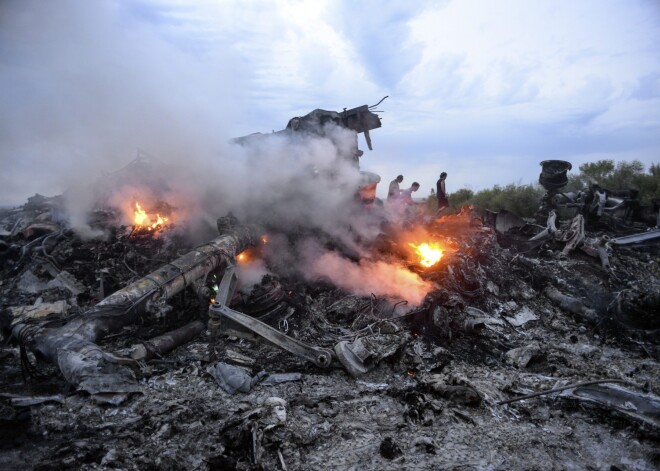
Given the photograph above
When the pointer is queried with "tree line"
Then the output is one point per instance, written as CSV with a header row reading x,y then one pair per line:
x,y
523,199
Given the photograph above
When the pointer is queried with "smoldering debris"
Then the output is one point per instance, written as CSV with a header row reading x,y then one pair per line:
x,y
510,355
322,329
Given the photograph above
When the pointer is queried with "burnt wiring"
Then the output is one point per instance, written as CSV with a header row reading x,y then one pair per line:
x,y
30,328
25,251
400,303
129,268
28,370
44,251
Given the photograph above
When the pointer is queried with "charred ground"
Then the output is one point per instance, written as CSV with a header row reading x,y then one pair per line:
x,y
490,330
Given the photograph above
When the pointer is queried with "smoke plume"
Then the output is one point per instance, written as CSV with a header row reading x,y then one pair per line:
x,y
370,277
86,88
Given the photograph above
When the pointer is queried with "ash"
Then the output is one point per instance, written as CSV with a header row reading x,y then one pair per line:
x,y
410,387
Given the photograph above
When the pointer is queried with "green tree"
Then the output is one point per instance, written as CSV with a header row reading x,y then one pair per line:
x,y
648,184
598,171
626,175
654,170
591,172
622,176
432,202
460,197
519,199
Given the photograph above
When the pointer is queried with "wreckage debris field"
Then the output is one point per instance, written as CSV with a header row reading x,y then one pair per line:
x,y
434,384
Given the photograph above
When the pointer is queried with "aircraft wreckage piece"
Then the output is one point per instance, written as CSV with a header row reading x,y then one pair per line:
x,y
643,408
550,228
72,346
570,304
574,238
637,238
226,320
167,342
598,248
361,119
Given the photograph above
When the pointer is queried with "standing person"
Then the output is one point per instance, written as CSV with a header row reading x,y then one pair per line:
x,y
394,191
441,192
406,195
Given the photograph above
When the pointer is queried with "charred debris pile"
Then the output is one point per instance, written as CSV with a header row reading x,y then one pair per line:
x,y
520,345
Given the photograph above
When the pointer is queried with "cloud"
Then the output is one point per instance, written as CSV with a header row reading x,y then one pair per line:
x,y
647,87
84,87
380,34
471,83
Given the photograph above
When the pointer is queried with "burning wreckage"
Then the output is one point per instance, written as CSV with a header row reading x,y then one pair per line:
x,y
458,342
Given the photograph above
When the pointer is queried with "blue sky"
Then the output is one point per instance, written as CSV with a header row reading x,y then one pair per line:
x,y
483,90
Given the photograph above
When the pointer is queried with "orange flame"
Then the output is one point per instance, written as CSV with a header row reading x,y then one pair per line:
x,y
142,220
429,254
249,256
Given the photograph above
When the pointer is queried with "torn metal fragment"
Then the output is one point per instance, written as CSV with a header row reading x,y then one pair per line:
x,y
363,354
234,379
167,342
67,281
639,407
226,320
637,238
521,356
570,304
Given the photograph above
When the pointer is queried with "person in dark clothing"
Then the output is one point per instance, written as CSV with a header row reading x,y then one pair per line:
x,y
441,192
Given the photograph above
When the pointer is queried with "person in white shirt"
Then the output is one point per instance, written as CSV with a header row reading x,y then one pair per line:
x,y
406,195
394,191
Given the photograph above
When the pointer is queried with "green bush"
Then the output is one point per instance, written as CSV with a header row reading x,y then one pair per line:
x,y
522,200
457,200
461,197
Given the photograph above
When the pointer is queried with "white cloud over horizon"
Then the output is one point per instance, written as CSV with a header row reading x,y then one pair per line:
x,y
483,90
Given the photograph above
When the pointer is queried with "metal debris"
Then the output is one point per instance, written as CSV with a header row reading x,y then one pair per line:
x,y
234,379
637,238
432,377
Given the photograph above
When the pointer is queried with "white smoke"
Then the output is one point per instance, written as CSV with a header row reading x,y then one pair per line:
x,y
370,277
311,260
84,85
89,85
251,273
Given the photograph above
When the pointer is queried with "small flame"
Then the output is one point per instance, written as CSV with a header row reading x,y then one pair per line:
x,y
264,239
429,254
215,288
249,256
140,217
142,220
